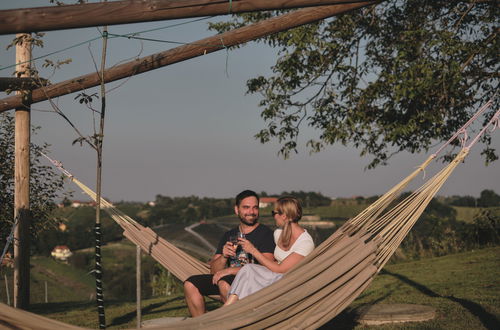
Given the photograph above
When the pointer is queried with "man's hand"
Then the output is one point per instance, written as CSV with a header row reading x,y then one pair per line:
x,y
219,261
229,250
220,274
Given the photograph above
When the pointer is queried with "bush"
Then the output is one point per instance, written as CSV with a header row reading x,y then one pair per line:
x,y
488,198
436,236
485,229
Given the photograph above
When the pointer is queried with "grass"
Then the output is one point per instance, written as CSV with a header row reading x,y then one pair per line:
x,y
464,288
60,275
466,214
63,282
119,314
340,210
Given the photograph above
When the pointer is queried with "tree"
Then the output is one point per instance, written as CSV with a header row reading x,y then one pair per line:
x,y
45,185
309,199
463,201
488,198
397,76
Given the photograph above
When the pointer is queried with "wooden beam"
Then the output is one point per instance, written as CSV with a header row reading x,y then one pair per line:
x,y
133,11
15,84
182,53
22,138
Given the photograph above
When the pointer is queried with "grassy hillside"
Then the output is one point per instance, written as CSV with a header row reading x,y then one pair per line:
x,y
340,210
466,214
464,288
64,283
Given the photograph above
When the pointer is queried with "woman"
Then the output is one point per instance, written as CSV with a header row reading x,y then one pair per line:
x,y
293,243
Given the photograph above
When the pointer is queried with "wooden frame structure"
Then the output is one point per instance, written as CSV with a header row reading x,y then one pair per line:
x,y
94,14
133,11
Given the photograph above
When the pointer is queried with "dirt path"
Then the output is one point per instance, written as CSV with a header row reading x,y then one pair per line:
x,y
190,230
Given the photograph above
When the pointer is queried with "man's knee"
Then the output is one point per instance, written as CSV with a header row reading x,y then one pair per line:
x,y
190,289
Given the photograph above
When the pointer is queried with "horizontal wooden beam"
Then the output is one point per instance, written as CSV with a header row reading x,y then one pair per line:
x,y
133,11
182,53
15,84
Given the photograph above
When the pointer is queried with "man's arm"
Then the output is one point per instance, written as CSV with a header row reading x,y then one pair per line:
x,y
219,261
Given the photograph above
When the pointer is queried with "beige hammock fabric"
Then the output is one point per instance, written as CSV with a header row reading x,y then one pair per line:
x,y
182,265
315,291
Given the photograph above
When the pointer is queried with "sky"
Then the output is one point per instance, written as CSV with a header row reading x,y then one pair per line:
x,y
188,128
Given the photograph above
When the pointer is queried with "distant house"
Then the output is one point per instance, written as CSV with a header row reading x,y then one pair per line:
x,y
267,201
61,252
80,203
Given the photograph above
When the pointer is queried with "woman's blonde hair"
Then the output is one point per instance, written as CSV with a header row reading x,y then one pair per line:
x,y
292,209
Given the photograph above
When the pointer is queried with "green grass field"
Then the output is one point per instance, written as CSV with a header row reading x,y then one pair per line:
x,y
464,288
466,214
60,281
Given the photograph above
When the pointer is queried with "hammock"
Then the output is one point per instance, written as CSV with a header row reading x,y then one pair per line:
x,y
317,289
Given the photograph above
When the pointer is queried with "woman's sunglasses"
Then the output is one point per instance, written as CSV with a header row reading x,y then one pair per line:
x,y
275,212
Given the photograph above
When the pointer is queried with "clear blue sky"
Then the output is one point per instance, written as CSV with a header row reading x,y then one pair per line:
x,y
187,129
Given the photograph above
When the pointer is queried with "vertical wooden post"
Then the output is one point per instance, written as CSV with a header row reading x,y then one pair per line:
x,y
138,287
7,291
22,181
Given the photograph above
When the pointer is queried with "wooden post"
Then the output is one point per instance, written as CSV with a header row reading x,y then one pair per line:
x,y
138,286
7,289
22,181
46,293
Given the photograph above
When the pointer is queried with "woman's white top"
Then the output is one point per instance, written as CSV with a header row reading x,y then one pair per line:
x,y
303,246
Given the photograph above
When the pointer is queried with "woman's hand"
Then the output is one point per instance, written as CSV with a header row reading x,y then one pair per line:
x,y
247,246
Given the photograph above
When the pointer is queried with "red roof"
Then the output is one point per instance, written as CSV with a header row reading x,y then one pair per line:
x,y
61,247
268,199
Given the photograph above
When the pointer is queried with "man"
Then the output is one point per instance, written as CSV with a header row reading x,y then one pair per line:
x,y
226,263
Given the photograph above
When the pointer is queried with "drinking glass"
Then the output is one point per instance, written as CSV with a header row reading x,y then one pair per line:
x,y
233,239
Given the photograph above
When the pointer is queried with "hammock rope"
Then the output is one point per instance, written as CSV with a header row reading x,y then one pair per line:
x,y
468,123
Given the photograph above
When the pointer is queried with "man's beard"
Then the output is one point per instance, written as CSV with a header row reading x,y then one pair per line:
x,y
243,220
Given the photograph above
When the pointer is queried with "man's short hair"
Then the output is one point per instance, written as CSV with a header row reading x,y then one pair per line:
x,y
244,194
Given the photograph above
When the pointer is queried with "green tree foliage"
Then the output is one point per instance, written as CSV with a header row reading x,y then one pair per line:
x,y
462,201
45,185
437,232
188,209
164,283
309,199
488,198
486,227
397,76
79,233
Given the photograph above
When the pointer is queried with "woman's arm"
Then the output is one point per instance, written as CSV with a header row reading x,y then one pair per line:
x,y
272,265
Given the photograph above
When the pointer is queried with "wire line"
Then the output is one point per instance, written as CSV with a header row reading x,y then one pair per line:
x,y
128,35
